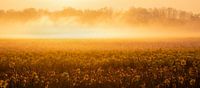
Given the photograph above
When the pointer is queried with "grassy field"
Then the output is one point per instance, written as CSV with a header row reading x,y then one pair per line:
x,y
130,63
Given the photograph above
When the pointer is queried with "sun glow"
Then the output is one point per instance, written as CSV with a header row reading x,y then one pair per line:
x,y
97,19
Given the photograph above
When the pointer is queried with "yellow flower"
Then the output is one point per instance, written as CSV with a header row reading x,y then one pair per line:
x,y
192,81
86,77
143,85
78,70
12,64
99,81
36,77
167,81
191,71
183,62
34,74
24,81
137,77
181,79
1,83
66,74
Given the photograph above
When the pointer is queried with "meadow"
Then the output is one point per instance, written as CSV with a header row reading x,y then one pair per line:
x,y
101,63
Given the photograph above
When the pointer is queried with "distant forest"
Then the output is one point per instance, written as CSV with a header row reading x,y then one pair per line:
x,y
133,16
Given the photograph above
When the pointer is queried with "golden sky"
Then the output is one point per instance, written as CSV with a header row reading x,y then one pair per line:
x,y
187,5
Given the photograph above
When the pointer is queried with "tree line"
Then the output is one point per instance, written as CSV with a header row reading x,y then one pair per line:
x,y
132,16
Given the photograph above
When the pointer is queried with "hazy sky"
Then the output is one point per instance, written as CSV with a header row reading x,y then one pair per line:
x,y
27,26
188,5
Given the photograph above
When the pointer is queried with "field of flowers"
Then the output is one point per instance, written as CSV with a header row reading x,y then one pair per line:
x,y
100,63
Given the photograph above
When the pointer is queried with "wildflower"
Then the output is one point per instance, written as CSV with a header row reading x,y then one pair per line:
x,y
24,81
157,86
52,73
195,63
78,70
99,70
167,81
74,84
47,84
86,77
192,82
137,77
5,84
34,74
66,74
5,75
183,62
143,85
42,81
1,83
99,82
36,77
181,79
173,85
155,76
57,80
191,71
92,80
12,64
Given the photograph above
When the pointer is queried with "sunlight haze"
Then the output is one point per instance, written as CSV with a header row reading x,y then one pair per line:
x,y
99,19
188,5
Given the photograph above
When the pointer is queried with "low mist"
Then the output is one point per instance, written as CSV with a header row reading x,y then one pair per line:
x,y
99,23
